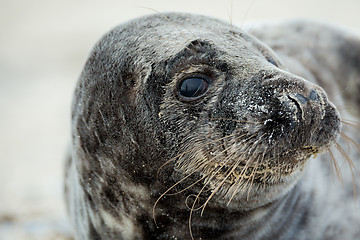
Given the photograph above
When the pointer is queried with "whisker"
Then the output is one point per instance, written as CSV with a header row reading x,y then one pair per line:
x,y
335,166
235,120
238,181
213,174
247,12
345,107
193,184
351,141
267,168
243,172
187,205
194,171
252,177
345,156
351,123
205,162
204,144
209,176
230,15
196,199
230,155
330,156
193,209
348,120
190,150
175,25
350,163
164,193
228,173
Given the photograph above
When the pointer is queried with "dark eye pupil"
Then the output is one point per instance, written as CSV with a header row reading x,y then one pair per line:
x,y
193,87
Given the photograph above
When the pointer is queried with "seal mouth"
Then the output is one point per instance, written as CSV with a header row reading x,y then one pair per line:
x,y
269,170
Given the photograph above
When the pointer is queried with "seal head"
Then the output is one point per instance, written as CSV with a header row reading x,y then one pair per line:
x,y
189,104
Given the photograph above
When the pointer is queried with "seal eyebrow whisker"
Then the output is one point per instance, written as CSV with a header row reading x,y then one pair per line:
x,y
230,15
173,23
247,12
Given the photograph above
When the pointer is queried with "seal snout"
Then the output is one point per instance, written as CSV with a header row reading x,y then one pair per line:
x,y
313,96
307,105
309,111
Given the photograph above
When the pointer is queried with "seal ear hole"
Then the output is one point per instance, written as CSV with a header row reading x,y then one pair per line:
x,y
192,88
132,83
272,61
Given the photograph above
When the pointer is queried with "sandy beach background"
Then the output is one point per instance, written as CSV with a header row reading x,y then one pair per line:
x,y
43,46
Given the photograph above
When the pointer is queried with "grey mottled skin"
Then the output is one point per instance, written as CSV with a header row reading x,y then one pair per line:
x,y
245,145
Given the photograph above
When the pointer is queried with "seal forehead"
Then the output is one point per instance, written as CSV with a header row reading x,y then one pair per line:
x,y
160,36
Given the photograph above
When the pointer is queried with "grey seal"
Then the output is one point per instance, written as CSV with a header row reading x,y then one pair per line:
x,y
184,126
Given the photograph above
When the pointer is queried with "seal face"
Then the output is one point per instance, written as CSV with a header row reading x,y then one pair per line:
x,y
188,105
242,127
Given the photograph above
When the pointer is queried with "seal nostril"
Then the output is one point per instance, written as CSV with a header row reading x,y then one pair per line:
x,y
301,98
313,95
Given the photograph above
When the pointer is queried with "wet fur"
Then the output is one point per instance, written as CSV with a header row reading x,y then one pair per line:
x,y
147,165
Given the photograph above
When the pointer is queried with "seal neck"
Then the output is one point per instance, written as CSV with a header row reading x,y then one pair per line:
x,y
280,219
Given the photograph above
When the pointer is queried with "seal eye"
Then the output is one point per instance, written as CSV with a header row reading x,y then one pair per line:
x,y
193,87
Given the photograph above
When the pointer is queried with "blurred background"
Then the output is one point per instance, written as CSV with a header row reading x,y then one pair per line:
x,y
43,47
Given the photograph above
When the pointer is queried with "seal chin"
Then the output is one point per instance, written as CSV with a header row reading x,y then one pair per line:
x,y
254,194
264,174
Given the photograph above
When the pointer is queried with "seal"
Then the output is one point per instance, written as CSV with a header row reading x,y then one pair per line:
x,y
184,126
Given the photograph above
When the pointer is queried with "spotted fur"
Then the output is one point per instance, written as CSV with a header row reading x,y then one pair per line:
x,y
235,162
